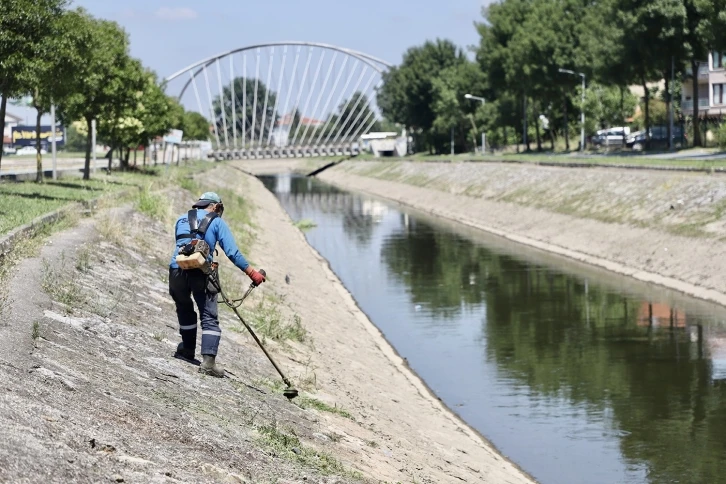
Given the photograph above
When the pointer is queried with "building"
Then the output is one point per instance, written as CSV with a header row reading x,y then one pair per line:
x,y
282,133
10,122
711,82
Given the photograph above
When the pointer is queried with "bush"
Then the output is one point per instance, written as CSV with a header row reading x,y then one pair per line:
x,y
721,136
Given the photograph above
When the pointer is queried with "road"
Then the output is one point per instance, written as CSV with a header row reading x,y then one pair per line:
x,y
18,165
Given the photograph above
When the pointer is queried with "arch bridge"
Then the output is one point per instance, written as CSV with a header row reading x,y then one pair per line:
x,y
283,99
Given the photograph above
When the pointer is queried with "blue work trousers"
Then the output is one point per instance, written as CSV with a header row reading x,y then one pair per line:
x,y
183,286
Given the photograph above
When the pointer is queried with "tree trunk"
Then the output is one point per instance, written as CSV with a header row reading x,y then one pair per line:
x,y
647,113
38,156
89,140
135,157
536,128
696,122
668,106
622,112
506,141
567,126
146,148
128,155
3,106
550,128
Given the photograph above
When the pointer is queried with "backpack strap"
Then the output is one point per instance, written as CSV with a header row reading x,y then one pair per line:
x,y
205,223
197,229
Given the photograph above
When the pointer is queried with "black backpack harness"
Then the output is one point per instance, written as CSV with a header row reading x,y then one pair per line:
x,y
197,229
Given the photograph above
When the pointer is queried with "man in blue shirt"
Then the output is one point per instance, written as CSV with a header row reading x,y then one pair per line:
x,y
206,223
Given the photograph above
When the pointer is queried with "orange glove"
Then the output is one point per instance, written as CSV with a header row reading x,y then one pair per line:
x,y
256,277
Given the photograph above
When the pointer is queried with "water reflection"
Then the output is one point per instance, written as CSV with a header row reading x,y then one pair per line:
x,y
576,378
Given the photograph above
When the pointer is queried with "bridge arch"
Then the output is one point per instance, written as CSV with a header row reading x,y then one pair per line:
x,y
291,99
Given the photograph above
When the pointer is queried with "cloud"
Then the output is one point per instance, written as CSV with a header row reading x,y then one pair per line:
x,y
176,13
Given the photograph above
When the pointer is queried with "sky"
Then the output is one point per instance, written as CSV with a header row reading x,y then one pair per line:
x,y
168,35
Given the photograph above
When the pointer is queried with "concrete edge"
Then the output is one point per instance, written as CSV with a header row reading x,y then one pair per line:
x,y
573,164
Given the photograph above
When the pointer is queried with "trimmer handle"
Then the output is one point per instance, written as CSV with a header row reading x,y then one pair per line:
x,y
264,274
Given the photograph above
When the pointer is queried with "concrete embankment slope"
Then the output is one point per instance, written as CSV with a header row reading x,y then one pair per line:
x,y
661,227
90,391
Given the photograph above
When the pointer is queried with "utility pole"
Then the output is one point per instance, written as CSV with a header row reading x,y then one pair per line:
x,y
483,134
670,103
582,108
53,128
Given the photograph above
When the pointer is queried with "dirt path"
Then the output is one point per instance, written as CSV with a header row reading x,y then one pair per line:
x,y
90,392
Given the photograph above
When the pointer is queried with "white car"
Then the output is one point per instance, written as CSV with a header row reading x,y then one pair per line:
x,y
30,150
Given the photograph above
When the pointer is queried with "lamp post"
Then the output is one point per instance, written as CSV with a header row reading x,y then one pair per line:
x,y
483,135
582,109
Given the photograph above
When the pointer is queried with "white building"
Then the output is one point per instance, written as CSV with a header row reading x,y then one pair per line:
x,y
711,82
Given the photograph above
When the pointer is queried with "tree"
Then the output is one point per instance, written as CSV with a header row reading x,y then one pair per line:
x,y
24,27
408,89
55,68
699,38
100,79
253,105
356,115
195,126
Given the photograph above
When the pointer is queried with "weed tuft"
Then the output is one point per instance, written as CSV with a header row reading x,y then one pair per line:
x,y
268,320
59,286
83,259
305,224
309,402
288,445
36,330
153,204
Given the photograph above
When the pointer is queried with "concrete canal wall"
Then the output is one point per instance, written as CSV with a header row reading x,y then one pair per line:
x,y
660,227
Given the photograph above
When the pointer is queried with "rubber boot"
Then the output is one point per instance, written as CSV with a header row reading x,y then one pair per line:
x,y
184,353
209,367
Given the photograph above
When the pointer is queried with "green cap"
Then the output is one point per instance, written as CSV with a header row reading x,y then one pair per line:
x,y
206,199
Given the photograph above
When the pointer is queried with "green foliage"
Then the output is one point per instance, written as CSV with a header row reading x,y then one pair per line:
x,y
153,204
607,106
305,224
260,103
408,90
195,126
286,444
309,402
26,28
722,136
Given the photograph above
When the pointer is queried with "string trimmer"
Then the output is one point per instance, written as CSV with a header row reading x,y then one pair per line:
x,y
290,392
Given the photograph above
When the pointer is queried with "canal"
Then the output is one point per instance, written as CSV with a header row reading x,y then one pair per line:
x,y
575,374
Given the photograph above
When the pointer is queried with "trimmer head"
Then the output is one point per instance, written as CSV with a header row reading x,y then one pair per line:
x,y
290,393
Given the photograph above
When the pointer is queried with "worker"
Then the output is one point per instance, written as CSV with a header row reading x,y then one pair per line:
x,y
202,222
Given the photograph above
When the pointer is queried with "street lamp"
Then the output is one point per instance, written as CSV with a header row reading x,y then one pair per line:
x,y
483,135
582,109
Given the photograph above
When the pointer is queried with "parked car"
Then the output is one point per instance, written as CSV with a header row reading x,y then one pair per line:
x,y
30,150
611,136
658,138
9,150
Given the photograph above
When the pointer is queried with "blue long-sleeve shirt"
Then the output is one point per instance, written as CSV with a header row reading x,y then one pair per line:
x,y
218,231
